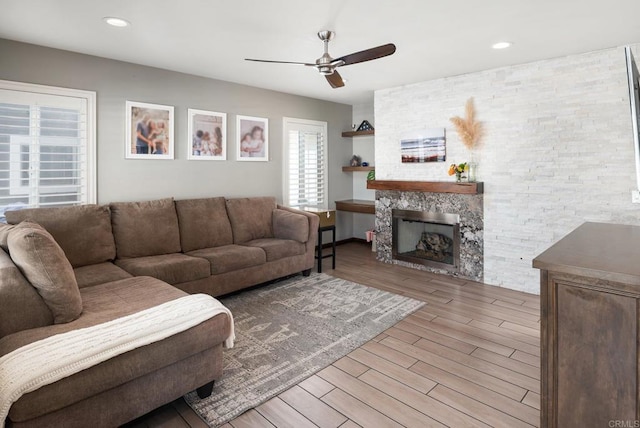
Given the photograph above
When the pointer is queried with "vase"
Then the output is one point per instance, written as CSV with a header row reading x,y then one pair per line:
x,y
473,169
459,177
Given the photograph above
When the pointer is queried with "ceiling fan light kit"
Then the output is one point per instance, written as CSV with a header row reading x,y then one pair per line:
x,y
326,64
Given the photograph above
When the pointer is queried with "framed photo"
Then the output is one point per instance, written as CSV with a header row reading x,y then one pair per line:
x,y
429,145
149,131
207,135
252,138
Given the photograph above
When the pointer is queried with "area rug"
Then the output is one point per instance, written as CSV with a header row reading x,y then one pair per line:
x,y
289,330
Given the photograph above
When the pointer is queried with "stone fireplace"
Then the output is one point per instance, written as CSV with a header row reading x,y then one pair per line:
x,y
438,231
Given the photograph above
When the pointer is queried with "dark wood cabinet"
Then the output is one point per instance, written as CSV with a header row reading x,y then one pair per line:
x,y
590,294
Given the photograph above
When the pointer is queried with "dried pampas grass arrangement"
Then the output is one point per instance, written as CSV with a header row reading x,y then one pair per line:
x,y
469,130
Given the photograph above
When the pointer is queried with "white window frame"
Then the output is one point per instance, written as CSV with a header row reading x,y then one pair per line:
x,y
287,124
90,97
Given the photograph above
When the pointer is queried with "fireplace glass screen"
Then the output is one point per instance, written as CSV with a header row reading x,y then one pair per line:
x,y
428,238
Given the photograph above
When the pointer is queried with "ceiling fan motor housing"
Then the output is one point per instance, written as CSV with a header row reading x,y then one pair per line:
x,y
324,64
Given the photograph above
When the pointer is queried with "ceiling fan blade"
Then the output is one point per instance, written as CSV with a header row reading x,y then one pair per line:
x,y
335,80
280,62
366,55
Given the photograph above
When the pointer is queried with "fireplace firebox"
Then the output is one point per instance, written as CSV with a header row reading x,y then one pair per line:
x,y
428,238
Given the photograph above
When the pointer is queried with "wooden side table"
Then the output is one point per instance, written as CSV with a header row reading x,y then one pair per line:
x,y
319,255
327,223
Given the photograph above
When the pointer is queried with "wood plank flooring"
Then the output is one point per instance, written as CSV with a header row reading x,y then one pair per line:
x,y
469,358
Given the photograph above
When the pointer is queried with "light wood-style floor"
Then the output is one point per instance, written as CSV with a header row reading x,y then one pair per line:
x,y
469,358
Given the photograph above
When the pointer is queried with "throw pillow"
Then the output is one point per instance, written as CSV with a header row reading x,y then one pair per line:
x,y
44,264
4,235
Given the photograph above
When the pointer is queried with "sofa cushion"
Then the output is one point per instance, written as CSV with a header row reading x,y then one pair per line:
x,y
100,273
289,225
104,303
83,232
251,218
277,249
231,257
44,264
21,307
145,228
204,223
171,268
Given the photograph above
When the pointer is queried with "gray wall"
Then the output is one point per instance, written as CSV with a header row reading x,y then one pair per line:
x,y
128,180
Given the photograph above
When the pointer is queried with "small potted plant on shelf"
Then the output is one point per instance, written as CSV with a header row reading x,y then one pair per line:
x,y
459,170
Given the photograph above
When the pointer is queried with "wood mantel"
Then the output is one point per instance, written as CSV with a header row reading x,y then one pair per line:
x,y
427,186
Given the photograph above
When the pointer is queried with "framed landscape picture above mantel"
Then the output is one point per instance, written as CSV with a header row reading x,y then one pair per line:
x,y
149,131
252,140
429,145
207,135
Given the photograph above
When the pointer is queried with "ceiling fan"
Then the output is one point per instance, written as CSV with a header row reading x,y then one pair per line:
x,y
327,65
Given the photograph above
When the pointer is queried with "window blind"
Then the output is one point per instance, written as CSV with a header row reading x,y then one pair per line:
x,y
306,178
44,150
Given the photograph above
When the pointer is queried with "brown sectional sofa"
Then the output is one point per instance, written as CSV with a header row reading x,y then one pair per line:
x,y
128,257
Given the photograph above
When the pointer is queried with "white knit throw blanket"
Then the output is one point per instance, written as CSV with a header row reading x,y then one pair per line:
x,y
48,360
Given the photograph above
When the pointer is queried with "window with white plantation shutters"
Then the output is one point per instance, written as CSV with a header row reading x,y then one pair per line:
x,y
47,146
305,181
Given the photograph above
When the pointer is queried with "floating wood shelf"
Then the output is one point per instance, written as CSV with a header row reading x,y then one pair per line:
x,y
357,168
427,186
356,206
349,134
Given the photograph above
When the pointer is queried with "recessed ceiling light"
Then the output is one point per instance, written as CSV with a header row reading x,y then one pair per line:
x,y
116,22
501,45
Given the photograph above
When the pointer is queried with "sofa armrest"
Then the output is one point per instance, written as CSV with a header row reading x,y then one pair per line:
x,y
287,224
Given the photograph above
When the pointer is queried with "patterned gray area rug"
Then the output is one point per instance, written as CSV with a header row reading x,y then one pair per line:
x,y
289,330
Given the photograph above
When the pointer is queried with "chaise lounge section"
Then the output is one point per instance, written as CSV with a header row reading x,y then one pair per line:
x,y
128,257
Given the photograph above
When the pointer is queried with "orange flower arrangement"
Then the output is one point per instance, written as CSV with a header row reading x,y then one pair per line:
x,y
458,170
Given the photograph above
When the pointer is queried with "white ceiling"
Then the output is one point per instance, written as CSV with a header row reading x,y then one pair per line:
x,y
434,38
